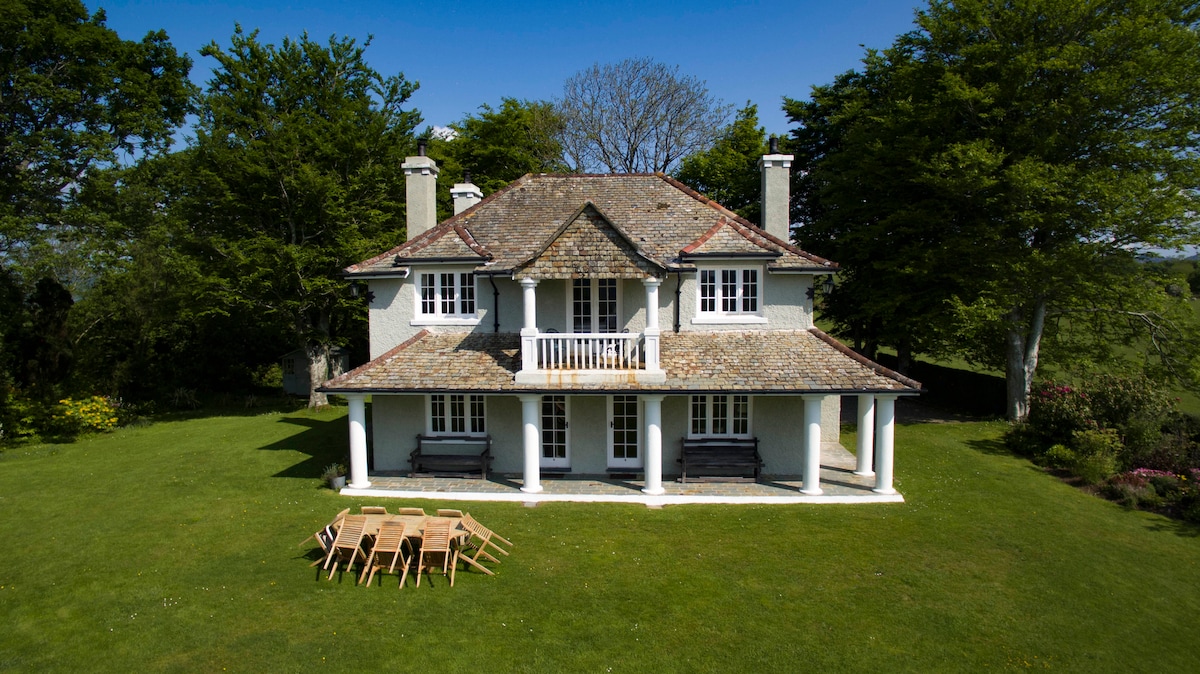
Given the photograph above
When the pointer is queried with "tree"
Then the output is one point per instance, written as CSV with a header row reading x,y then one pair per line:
x,y
1006,163
728,172
74,97
497,146
636,116
296,175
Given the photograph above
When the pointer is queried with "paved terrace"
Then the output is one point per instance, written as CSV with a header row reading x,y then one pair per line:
x,y
838,481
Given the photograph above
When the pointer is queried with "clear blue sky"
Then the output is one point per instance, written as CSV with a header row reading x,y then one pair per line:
x,y
467,53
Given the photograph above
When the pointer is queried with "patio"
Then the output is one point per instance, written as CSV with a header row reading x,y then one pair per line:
x,y
838,482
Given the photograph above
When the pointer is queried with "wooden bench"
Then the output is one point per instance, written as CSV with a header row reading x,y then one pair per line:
x,y
717,458
432,458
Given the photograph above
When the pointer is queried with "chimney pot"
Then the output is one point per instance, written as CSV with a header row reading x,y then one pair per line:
x,y
421,145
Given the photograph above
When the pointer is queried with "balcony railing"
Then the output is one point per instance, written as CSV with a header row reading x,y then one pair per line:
x,y
589,351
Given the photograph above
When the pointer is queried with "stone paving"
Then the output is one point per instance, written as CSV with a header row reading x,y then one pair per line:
x,y
838,483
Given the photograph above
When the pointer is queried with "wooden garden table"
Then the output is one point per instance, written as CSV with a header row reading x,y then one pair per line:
x,y
414,528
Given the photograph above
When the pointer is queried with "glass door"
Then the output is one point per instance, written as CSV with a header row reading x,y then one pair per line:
x,y
624,433
554,432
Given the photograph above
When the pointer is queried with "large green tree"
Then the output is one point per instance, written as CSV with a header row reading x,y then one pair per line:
x,y
998,169
74,98
728,171
296,175
497,146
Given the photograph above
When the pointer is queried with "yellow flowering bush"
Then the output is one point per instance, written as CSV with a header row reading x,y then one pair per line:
x,y
95,414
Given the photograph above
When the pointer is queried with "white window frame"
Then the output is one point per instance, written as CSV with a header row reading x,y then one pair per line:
x,y
594,305
447,307
728,301
472,415
728,421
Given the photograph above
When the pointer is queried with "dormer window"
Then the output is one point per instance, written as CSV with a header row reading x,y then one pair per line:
x,y
445,296
729,294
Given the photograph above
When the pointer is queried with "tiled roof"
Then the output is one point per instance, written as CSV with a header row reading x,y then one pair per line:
x,y
657,214
756,361
589,246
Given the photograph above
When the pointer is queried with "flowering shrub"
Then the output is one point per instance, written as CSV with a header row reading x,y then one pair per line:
x,y
1057,411
95,414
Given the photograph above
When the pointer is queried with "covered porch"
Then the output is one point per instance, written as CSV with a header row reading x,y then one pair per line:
x,y
838,478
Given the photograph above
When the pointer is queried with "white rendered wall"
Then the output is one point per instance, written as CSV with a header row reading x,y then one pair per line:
x,y
395,422
785,305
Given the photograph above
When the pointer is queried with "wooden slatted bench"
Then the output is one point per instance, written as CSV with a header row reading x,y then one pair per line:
x,y
713,459
433,458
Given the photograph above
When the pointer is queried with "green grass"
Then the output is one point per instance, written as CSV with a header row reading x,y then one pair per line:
x,y
173,547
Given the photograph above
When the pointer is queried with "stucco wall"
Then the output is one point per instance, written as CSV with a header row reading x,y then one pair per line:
x,y
395,422
785,304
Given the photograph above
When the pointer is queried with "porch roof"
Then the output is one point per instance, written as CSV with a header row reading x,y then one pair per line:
x,y
785,362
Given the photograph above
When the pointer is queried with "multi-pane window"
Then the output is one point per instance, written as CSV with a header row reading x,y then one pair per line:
x,y
457,414
720,415
448,294
594,305
729,291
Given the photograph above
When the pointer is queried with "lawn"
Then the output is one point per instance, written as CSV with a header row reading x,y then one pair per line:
x,y
173,547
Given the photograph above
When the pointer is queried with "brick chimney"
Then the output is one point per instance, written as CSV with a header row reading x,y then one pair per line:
x,y
420,183
465,194
776,192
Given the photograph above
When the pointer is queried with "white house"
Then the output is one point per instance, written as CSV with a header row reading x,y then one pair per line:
x,y
590,323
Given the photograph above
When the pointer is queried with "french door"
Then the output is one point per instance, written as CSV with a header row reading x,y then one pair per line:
x,y
594,305
624,432
555,438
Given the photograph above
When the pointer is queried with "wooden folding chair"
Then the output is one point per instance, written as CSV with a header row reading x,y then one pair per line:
x,y
347,547
326,535
374,510
444,512
481,538
436,542
412,511
387,552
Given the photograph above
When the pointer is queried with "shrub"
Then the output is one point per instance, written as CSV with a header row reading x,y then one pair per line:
x,y
1057,411
1060,456
1095,454
71,417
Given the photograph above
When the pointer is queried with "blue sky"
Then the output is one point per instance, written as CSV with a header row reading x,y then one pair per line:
x,y
468,53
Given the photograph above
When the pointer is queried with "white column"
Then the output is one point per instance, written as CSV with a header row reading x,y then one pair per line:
x,y
812,445
652,332
531,437
358,441
866,436
885,437
529,330
653,465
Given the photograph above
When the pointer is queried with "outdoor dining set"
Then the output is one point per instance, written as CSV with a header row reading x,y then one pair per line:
x,y
406,540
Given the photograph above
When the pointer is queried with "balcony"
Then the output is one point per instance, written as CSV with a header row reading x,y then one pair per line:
x,y
589,351
556,359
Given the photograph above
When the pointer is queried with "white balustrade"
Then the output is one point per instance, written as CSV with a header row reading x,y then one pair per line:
x,y
589,351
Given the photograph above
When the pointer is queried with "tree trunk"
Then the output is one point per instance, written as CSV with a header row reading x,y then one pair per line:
x,y
318,372
1023,342
904,359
